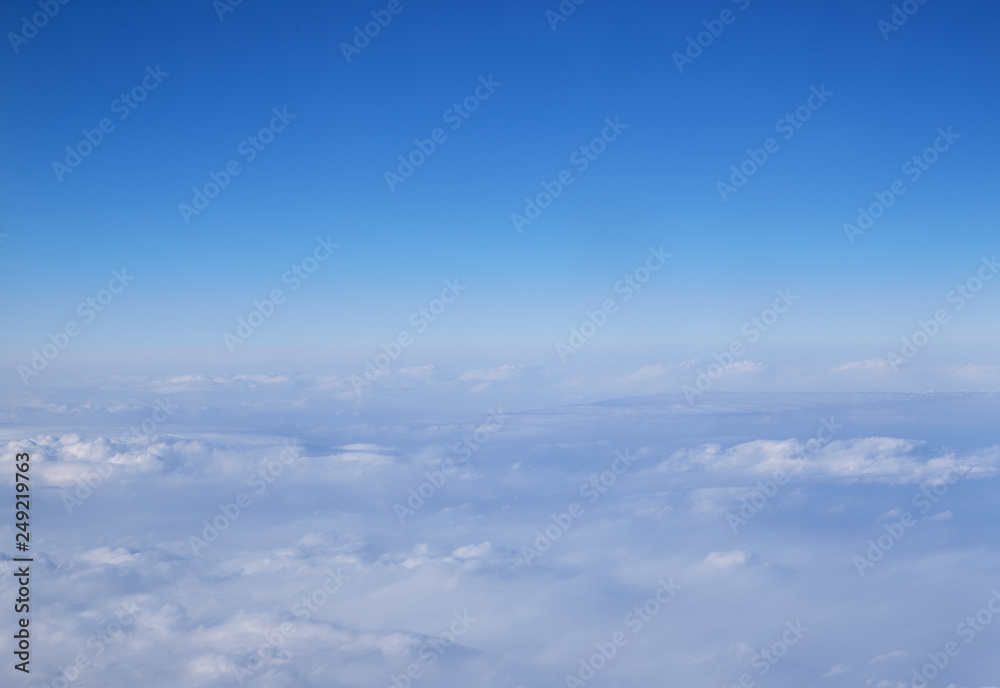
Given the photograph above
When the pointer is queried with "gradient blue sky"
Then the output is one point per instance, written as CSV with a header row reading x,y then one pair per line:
x,y
655,185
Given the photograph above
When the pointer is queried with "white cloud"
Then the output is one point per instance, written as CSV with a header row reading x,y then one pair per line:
x,y
727,560
480,551
867,365
420,372
486,377
744,367
504,372
975,371
649,373
880,459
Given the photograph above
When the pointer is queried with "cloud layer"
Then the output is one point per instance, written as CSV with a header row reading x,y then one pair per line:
x,y
262,530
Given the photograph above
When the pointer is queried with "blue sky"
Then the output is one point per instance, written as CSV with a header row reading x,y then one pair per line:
x,y
324,174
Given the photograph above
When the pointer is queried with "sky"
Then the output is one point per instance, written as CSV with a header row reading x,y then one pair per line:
x,y
390,344
655,185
